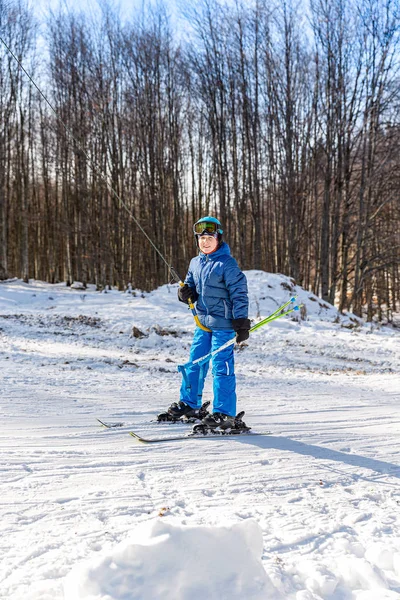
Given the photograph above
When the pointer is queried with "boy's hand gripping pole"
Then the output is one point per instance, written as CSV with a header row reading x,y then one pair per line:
x,y
191,305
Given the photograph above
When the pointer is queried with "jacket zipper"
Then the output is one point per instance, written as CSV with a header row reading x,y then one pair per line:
x,y
204,302
226,309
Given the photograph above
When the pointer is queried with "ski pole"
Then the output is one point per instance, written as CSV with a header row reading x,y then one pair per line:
x,y
272,317
287,312
191,305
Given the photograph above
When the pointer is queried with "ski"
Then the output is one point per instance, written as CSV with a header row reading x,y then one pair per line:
x,y
109,425
115,425
280,312
190,436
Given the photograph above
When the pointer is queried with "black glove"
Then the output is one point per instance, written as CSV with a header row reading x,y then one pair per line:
x,y
185,292
242,327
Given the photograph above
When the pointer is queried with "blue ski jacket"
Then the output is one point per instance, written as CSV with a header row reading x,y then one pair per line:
x,y
221,286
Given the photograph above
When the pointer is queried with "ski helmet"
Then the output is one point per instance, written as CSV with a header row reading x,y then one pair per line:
x,y
207,225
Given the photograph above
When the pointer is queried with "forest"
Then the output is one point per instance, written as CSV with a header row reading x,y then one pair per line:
x,y
282,119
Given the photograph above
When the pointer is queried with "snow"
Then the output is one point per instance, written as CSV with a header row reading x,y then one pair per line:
x,y
168,561
323,488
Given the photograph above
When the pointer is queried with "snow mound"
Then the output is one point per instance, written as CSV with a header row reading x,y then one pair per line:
x,y
162,561
268,291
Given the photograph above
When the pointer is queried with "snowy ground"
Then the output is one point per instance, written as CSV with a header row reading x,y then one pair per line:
x,y
324,487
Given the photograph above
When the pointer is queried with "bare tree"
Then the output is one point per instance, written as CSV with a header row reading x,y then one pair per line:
x,y
288,130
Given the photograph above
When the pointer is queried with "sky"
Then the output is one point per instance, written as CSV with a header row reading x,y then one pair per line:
x,y
126,7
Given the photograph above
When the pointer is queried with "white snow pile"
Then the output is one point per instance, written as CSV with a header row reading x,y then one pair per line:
x,y
269,291
162,561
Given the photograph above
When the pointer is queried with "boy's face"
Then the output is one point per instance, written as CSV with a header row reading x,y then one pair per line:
x,y
207,243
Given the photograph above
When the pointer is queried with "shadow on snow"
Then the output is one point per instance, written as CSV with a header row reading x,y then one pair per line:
x,y
289,445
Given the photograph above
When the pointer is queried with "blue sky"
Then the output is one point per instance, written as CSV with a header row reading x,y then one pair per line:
x,y
126,7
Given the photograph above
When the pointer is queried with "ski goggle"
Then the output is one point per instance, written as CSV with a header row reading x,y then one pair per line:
x,y
205,227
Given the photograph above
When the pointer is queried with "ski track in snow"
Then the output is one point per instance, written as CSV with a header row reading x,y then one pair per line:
x,y
324,486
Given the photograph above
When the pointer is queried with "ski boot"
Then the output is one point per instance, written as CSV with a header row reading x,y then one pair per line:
x,y
221,424
179,412
240,425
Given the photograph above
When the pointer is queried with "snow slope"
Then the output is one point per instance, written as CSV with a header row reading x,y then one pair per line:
x,y
323,488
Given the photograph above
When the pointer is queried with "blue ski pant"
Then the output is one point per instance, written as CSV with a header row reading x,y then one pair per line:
x,y
224,379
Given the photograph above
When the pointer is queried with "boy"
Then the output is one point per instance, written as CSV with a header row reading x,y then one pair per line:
x,y
219,288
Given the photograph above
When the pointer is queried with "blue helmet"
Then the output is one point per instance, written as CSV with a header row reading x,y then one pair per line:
x,y
209,225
